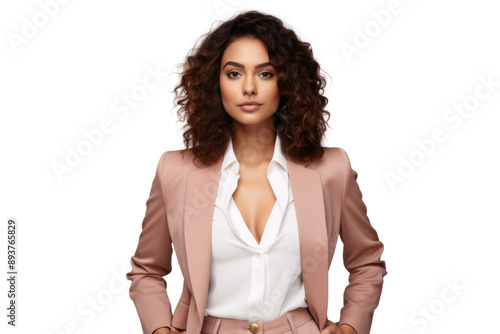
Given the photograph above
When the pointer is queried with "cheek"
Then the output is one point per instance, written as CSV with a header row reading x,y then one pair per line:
x,y
226,90
272,89
274,94
225,95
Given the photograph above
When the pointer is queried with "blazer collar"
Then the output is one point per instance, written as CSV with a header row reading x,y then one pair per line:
x,y
202,185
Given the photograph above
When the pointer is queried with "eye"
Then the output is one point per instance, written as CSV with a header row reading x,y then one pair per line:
x,y
267,75
229,74
270,74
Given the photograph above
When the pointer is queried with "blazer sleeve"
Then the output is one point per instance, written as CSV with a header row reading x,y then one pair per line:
x,y
361,256
152,261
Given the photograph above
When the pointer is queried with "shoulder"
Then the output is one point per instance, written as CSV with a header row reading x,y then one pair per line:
x,y
174,161
333,167
334,159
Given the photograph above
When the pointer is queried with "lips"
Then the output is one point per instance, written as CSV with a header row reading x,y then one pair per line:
x,y
250,105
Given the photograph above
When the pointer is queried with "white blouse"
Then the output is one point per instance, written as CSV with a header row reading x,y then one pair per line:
x,y
248,280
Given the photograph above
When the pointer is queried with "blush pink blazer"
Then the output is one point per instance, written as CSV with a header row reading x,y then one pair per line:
x,y
179,211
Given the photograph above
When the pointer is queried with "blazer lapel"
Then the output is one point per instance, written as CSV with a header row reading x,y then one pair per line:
x,y
307,191
201,192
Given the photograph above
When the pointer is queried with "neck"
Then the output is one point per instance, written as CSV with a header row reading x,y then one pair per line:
x,y
254,145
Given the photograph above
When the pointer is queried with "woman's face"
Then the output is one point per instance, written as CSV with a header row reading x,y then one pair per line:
x,y
245,76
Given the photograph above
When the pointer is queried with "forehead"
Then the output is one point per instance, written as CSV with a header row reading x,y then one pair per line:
x,y
246,50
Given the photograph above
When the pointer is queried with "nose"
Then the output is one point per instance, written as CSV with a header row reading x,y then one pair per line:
x,y
249,86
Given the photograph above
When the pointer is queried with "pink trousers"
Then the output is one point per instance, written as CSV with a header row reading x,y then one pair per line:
x,y
298,321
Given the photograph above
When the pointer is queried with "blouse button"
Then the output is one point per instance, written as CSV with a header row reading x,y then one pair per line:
x,y
254,328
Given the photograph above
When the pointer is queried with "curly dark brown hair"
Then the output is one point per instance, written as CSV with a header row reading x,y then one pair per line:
x,y
299,119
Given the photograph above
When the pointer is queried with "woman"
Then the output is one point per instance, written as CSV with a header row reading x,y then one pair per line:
x,y
254,208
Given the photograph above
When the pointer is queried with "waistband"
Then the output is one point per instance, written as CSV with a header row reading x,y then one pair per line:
x,y
282,323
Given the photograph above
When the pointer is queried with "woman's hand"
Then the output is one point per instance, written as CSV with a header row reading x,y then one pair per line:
x,y
332,328
165,330
175,330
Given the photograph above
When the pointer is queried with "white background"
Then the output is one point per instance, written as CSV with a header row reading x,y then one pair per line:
x,y
77,233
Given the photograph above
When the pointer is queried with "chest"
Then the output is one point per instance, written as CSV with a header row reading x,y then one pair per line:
x,y
255,199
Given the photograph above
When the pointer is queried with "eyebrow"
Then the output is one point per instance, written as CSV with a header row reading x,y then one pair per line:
x,y
243,66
